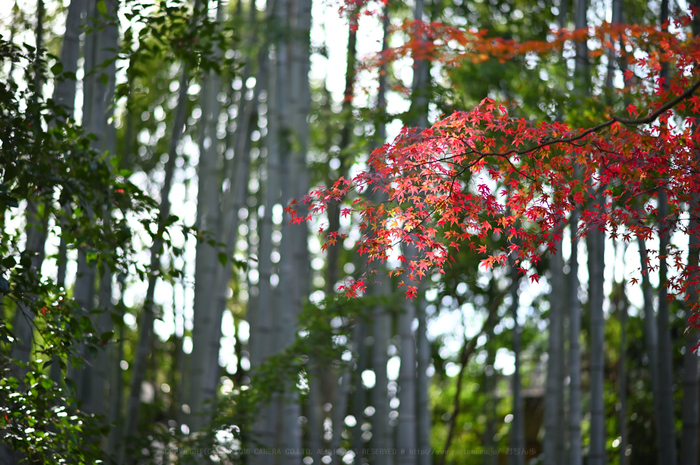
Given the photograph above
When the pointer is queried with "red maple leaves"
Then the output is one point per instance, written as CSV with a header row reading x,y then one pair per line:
x,y
481,173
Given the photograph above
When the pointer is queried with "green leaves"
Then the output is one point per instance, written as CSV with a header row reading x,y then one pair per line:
x,y
46,383
106,336
57,69
71,384
44,422
9,262
5,197
101,7
240,264
86,324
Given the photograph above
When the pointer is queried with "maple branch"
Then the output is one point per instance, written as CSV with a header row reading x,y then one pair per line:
x,y
470,149
483,155
469,165
615,119
667,106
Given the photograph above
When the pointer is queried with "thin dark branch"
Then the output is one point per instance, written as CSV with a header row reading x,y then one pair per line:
x,y
615,119
467,351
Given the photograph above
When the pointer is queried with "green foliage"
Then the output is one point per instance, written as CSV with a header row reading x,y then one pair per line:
x,y
324,331
43,423
170,31
53,168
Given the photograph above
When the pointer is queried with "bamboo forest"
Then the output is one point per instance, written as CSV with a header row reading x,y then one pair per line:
x,y
384,232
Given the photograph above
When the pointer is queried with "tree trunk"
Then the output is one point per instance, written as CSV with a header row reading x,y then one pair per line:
x,y
596,254
340,407
517,425
423,401
94,121
691,407
36,228
651,341
596,257
381,333
64,94
233,201
147,315
575,446
116,382
420,94
206,261
64,90
208,186
554,398
406,428
264,429
689,439
294,263
333,251
23,324
359,399
420,87
289,299
622,305
381,330
667,439
411,420
108,43
148,312
84,286
490,396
